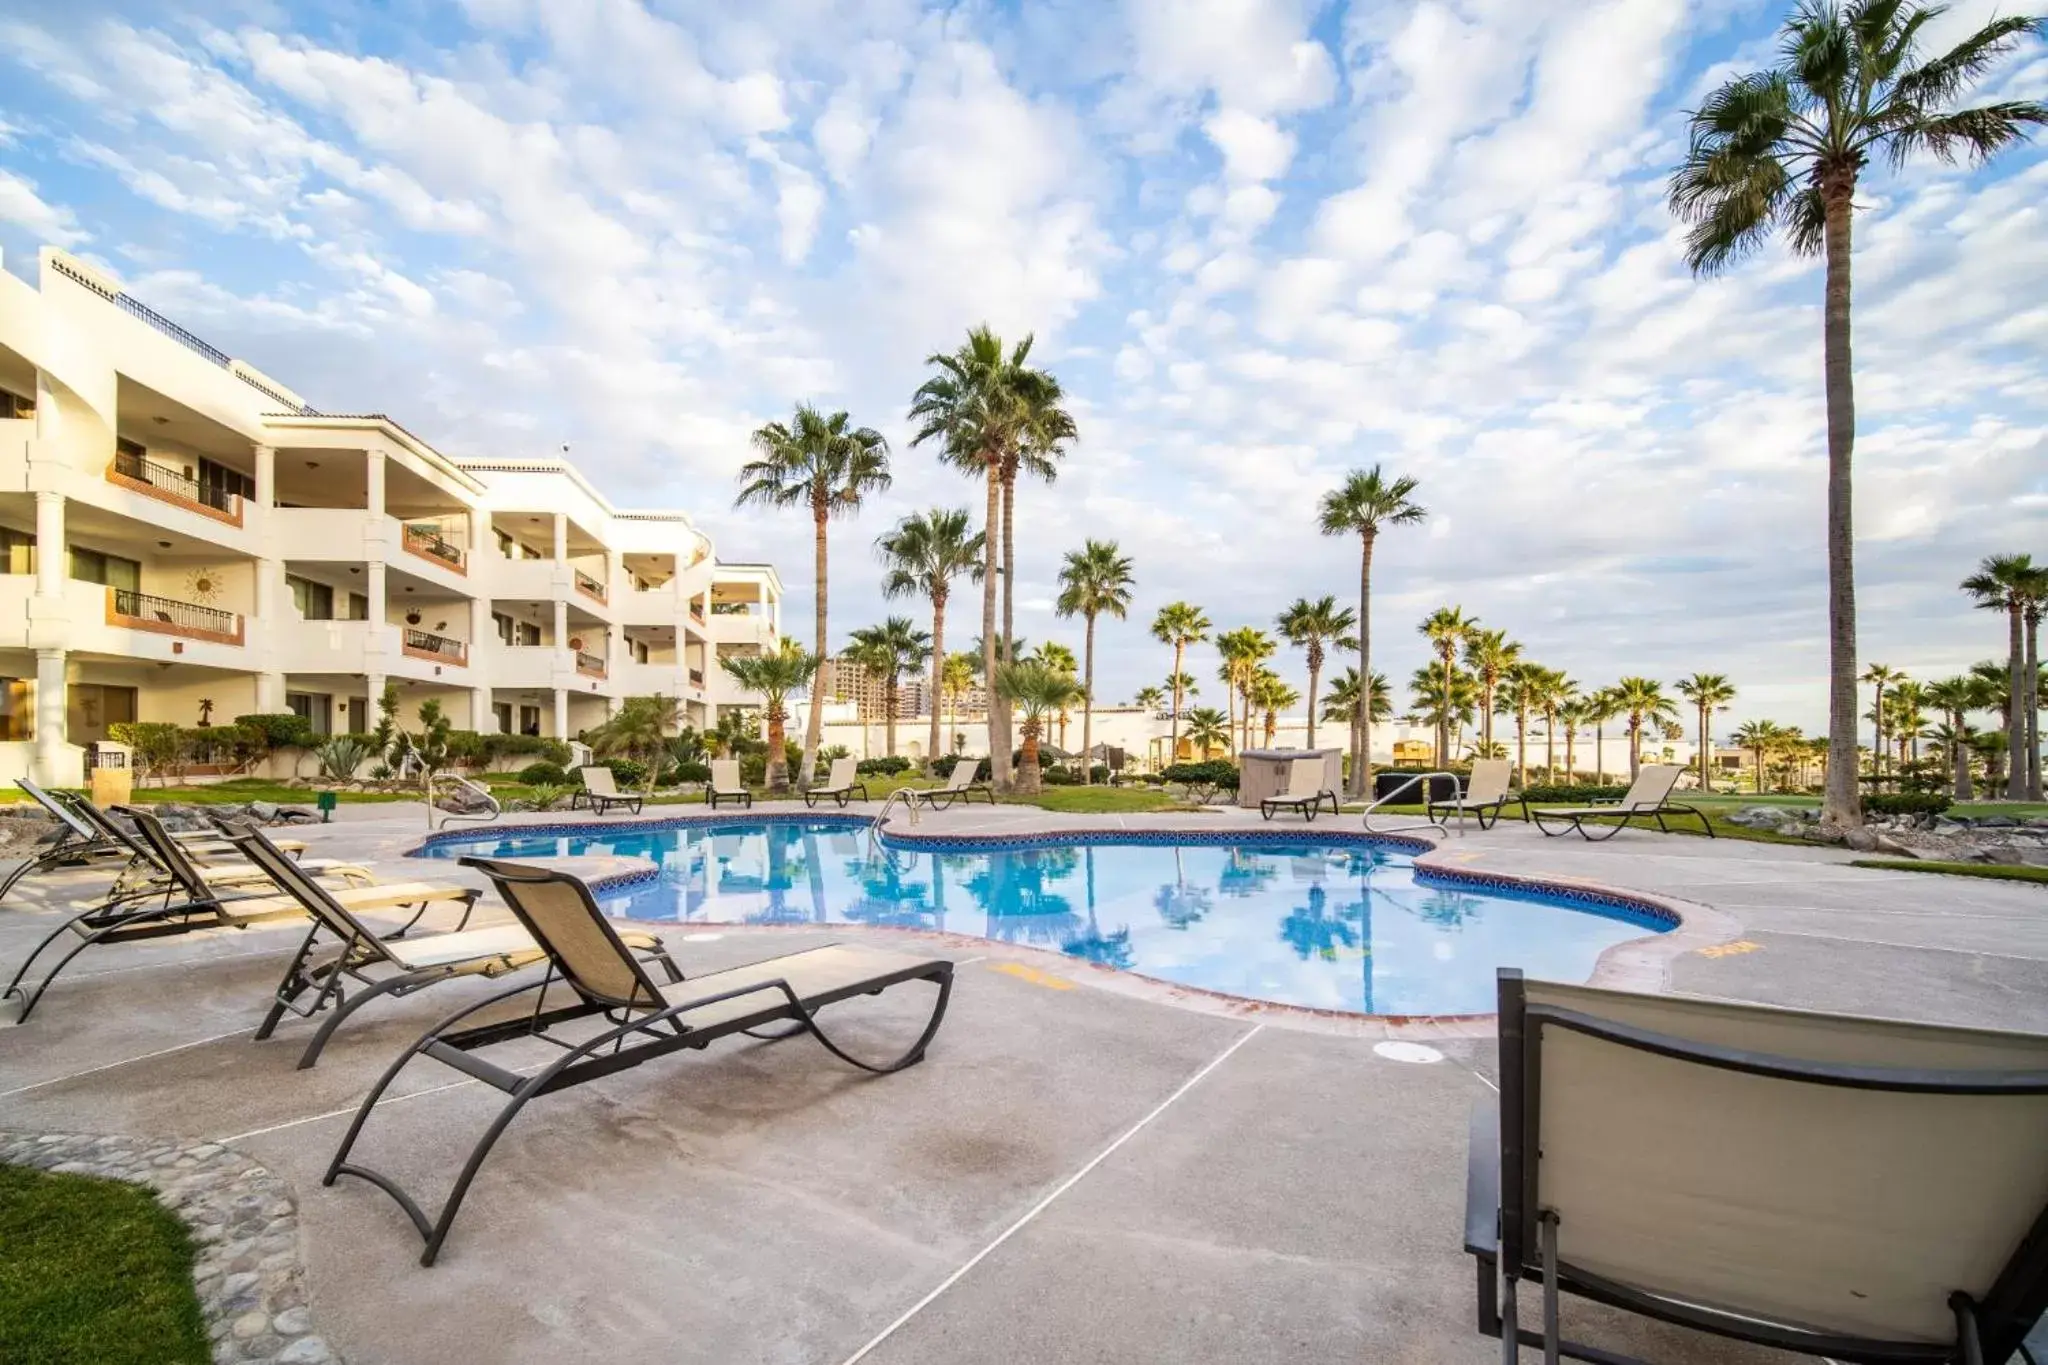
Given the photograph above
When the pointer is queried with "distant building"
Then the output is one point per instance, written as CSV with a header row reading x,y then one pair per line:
x,y
853,682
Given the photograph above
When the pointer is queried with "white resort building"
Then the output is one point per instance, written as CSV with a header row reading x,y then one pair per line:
x,y
183,537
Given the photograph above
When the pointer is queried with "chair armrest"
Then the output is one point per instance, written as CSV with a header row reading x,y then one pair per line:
x,y
1482,1179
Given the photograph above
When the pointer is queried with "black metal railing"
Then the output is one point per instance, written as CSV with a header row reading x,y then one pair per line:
x,y
424,642
166,480
426,540
589,586
592,664
141,606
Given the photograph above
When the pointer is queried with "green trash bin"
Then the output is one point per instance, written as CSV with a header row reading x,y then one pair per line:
x,y
326,803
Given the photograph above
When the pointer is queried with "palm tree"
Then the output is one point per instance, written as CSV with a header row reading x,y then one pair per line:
x,y
1038,691
1207,729
1342,700
888,651
1149,699
1489,654
983,404
1444,703
1271,694
1242,651
1759,737
1783,148
640,730
921,558
1576,711
1360,506
774,676
2036,587
1957,697
1879,676
1094,581
1446,629
1641,699
957,680
1708,692
1554,690
2002,583
830,466
1179,624
1601,707
1905,719
1059,659
1311,627
1520,690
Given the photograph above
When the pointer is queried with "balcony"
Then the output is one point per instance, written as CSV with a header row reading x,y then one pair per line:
x,y
696,677
164,484
438,649
590,665
426,542
589,587
132,610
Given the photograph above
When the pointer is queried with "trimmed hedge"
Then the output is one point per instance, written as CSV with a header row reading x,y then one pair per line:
x,y
1577,793
544,775
1905,803
880,767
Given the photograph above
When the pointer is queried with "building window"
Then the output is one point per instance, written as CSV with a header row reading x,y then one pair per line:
x,y
15,405
312,707
90,708
529,720
17,709
92,566
219,479
502,623
315,601
358,607
17,551
501,712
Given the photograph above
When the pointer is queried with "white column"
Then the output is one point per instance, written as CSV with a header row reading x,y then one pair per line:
x,y
561,713
374,589
374,682
50,719
266,476
481,718
561,539
561,640
375,471
53,554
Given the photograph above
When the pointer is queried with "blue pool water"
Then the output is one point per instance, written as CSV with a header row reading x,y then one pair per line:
x,y
1329,926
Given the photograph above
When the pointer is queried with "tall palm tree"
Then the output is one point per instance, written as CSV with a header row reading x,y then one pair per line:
x,y
1957,697
1554,691
1342,701
1242,651
956,679
1149,699
1641,699
888,651
1576,711
921,558
2001,583
983,404
1207,729
1783,148
1905,719
1601,707
1446,703
1708,693
1059,659
1519,691
1759,737
1446,629
1489,654
1879,676
1364,503
1179,624
1271,694
774,676
830,466
1095,581
1037,691
1311,627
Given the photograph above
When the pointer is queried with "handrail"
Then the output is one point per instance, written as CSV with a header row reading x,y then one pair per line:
x,y
492,810
1428,821
908,797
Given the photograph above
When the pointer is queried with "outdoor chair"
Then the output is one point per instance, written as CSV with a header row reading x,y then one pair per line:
x,y
639,1020
87,837
601,793
384,963
187,900
1648,798
725,784
961,786
840,784
1305,791
1485,795
1855,1189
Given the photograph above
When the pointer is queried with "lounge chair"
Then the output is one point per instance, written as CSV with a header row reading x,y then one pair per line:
x,y
384,964
1648,798
86,838
187,899
840,784
600,793
725,784
1305,791
1858,1189
641,1020
1485,795
961,786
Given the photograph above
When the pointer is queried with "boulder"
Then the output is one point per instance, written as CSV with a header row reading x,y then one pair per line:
x,y
1862,839
1887,844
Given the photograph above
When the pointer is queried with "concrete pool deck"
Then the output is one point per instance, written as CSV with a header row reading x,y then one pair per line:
x,y
1082,1170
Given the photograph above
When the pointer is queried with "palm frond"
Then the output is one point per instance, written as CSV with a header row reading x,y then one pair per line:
x,y
1973,134
1944,78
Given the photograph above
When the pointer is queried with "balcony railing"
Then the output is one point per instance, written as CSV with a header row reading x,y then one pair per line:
x,y
424,645
160,615
696,677
590,665
426,542
157,481
589,586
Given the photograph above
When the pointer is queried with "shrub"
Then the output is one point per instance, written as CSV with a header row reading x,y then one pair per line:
x,y
278,730
1905,803
1203,780
878,767
1099,773
626,772
754,769
159,746
1058,776
544,795
544,775
690,772
340,756
1577,793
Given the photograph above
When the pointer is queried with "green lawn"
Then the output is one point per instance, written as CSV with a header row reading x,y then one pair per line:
x,y
1096,800
94,1271
1994,871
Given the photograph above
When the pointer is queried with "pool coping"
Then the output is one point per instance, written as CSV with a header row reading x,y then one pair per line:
x,y
1641,964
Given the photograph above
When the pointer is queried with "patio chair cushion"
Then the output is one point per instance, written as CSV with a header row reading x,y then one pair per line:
x,y
812,974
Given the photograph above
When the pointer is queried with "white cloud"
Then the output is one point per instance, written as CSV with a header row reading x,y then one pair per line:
x,y
21,205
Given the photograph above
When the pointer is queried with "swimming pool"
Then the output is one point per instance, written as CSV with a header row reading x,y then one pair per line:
x,y
1285,918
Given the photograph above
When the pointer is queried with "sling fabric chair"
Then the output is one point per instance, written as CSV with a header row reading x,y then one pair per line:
x,y
600,793
725,784
86,837
961,786
1305,791
1649,797
1860,1189
1486,795
384,964
641,1019
840,784
186,901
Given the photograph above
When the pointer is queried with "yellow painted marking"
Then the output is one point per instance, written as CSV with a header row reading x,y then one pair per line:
x,y
1741,945
1033,975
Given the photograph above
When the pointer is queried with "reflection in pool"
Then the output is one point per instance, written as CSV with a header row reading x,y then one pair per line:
x,y
1323,925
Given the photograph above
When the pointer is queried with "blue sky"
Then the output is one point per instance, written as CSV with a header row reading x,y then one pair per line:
x,y
1262,242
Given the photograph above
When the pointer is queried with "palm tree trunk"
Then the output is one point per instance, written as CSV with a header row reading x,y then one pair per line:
x,y
1521,748
889,690
1599,753
1571,737
998,734
1549,747
814,728
1315,673
1173,724
1088,703
777,773
1027,772
1840,805
2031,671
1635,747
931,752
1361,725
1877,749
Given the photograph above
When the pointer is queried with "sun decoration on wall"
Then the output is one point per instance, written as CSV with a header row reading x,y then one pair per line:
x,y
204,586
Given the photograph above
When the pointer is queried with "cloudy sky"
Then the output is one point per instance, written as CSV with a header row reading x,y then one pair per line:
x,y
1261,241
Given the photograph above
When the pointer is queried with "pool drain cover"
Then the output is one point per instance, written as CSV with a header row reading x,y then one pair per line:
x,y
1407,1052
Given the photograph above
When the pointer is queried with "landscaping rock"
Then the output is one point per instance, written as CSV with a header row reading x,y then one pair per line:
x,y
1863,840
